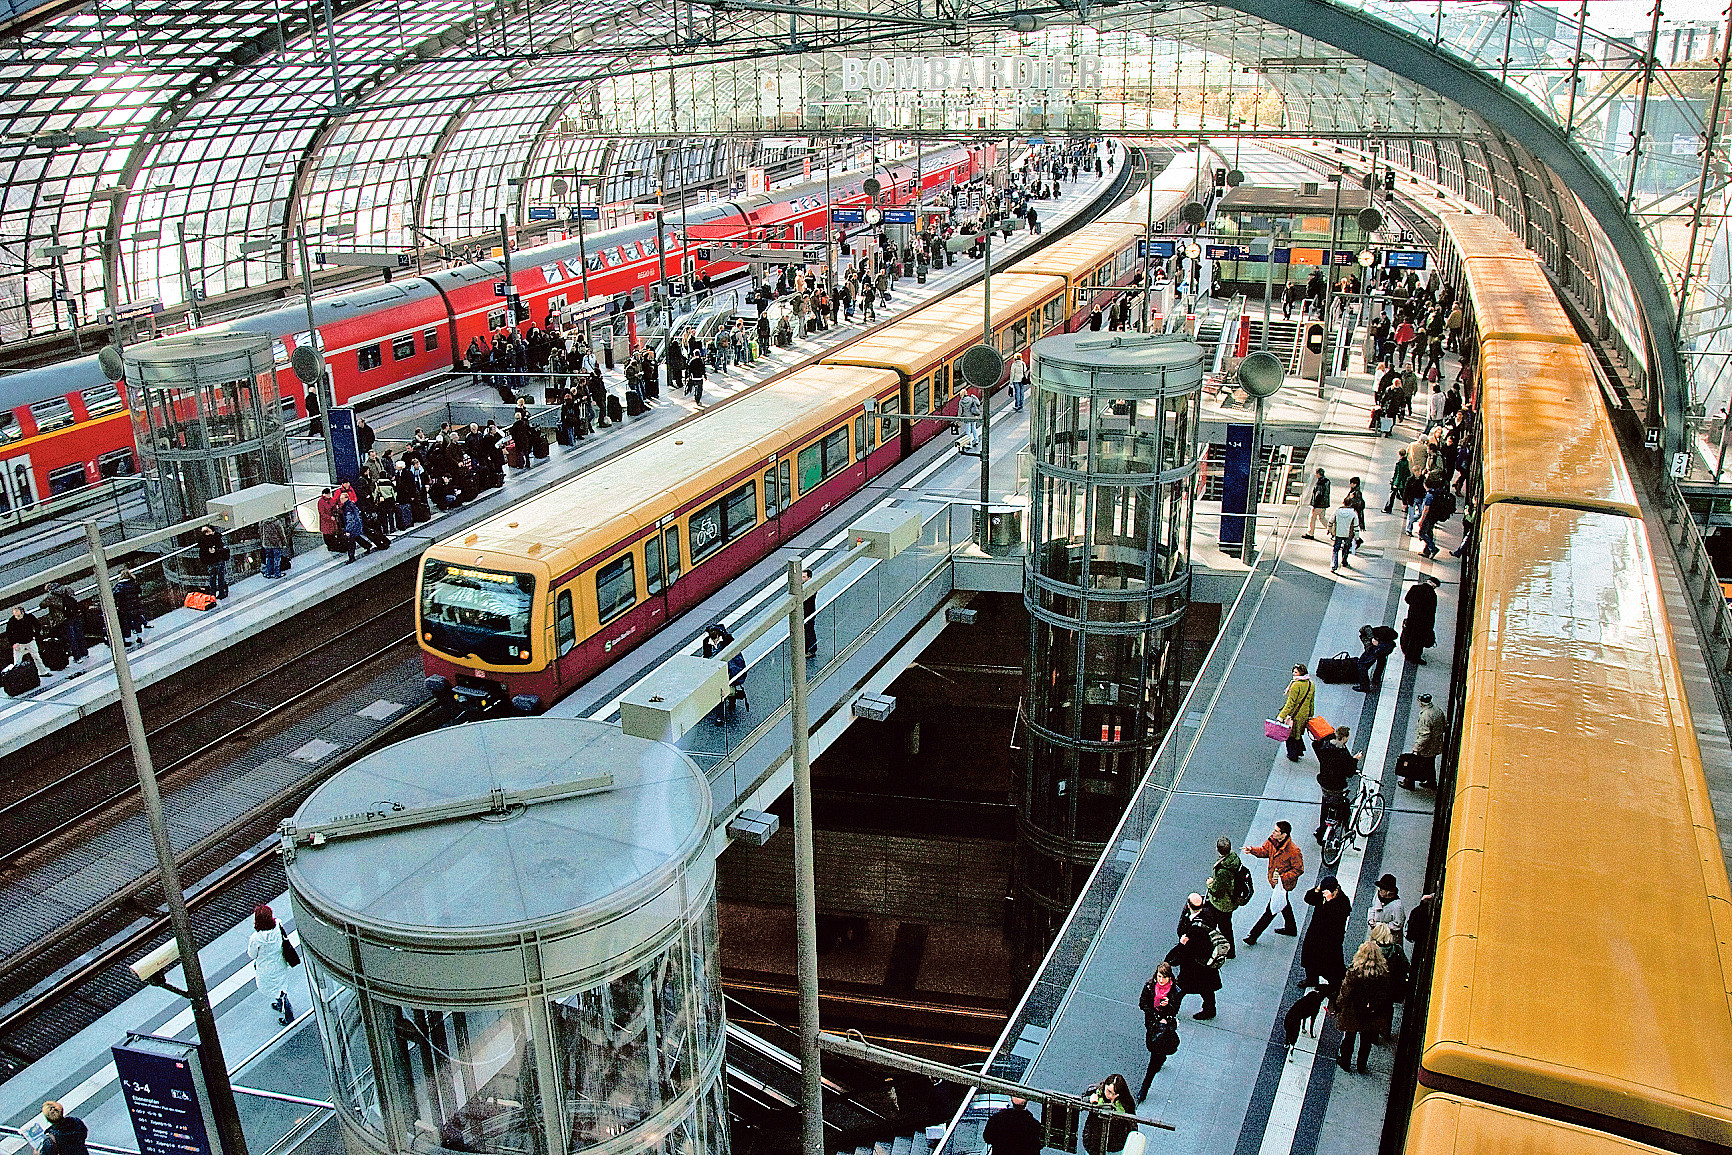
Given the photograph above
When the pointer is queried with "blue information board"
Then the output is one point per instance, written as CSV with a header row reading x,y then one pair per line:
x,y
898,216
1157,247
1228,252
848,216
584,214
344,445
1235,484
1405,259
543,213
165,1095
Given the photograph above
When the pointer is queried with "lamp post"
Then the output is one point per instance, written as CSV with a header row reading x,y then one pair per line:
x,y
1195,252
1366,259
320,385
210,1052
1329,284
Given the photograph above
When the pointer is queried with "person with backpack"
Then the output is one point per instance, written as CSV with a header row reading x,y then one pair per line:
x,y
63,615
1229,887
1439,506
1199,953
1286,865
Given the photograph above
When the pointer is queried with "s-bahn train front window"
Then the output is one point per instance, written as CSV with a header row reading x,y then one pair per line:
x,y
468,611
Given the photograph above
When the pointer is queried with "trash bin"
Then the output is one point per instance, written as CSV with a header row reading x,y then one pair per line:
x,y
1003,528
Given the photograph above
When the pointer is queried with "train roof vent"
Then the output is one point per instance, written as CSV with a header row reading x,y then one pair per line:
x,y
472,539
376,296
535,549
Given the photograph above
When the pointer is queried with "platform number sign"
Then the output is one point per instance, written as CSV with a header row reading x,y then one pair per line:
x,y
1680,465
165,1096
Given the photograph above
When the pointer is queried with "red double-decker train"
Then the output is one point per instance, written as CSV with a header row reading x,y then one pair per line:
x,y
66,426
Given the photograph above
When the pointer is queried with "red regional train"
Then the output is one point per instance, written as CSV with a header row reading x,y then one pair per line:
x,y
66,426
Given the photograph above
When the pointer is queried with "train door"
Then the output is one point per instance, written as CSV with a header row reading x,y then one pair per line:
x,y
905,403
778,493
17,485
661,561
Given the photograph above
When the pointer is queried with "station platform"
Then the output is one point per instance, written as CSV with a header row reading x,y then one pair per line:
x,y
183,638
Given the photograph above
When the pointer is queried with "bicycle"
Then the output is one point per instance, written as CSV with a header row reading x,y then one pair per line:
x,y
1363,821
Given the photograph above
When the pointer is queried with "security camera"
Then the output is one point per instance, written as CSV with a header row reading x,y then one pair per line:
x,y
153,966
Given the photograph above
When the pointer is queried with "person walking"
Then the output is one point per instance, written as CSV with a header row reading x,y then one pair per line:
x,y
1227,891
1296,711
273,958
1320,952
1018,383
1318,495
1343,527
1363,1005
1013,1131
21,634
1198,955
1430,732
66,1135
214,556
1286,865
354,527
1419,628
1159,1003
1101,1134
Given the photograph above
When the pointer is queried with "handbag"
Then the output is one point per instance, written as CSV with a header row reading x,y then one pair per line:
x,y
1319,728
1278,730
199,601
290,954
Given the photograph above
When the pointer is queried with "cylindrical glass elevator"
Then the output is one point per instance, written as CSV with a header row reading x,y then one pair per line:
x,y
510,928
1114,446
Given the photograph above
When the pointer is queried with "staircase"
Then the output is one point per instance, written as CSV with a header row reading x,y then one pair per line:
x,y
920,1143
1283,338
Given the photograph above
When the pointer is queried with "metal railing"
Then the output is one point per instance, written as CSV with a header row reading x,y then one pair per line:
x,y
1696,567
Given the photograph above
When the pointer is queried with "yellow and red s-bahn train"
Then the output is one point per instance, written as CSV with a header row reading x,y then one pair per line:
x,y
528,605
1580,996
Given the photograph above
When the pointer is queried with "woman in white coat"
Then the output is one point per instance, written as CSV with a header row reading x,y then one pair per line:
x,y
270,954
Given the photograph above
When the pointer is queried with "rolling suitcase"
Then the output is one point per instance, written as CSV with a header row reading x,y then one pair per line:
x,y
564,434
54,653
20,678
1340,669
614,413
633,403
540,447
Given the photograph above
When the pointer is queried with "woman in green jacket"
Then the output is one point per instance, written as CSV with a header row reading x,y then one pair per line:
x,y
1301,703
1397,481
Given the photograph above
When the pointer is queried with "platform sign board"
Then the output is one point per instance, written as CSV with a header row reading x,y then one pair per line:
x,y
848,216
165,1096
1235,484
898,216
344,446
1228,252
583,214
1405,259
1157,248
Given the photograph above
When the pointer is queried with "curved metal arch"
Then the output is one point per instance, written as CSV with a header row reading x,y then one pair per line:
x,y
1370,39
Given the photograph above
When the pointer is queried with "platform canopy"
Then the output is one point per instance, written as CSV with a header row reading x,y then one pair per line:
x,y
158,149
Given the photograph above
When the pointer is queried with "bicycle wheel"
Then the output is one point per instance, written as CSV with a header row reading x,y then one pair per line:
x,y
1370,816
1334,839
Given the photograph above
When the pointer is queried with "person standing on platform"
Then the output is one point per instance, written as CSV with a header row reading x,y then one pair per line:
x,y
275,540
66,1134
1102,1135
1224,888
1018,382
129,604
1428,739
1419,628
1320,953
1336,764
1318,496
1197,954
1296,711
214,556
1363,1005
1013,1131
1343,528
1159,1003
1286,865
21,633
1397,481
272,961
1388,909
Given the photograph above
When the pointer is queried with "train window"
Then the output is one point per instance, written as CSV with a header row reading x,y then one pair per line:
x,y
860,446
496,320
823,459
615,587
671,545
567,630
66,479
1054,313
102,400
469,611
429,339
403,348
116,464
652,563
922,397
772,495
10,430
940,386
721,522
886,430
741,510
369,357
1019,335
55,413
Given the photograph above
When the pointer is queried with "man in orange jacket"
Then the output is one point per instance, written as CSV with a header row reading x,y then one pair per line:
x,y
1286,864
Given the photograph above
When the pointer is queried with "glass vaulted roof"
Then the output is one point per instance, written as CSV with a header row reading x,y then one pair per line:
x,y
147,140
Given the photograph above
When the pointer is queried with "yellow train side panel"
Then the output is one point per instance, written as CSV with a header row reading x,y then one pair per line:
x,y
1447,1125
1080,253
1583,955
1548,438
937,332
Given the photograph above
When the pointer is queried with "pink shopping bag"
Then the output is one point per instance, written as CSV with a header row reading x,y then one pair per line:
x,y
1280,731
